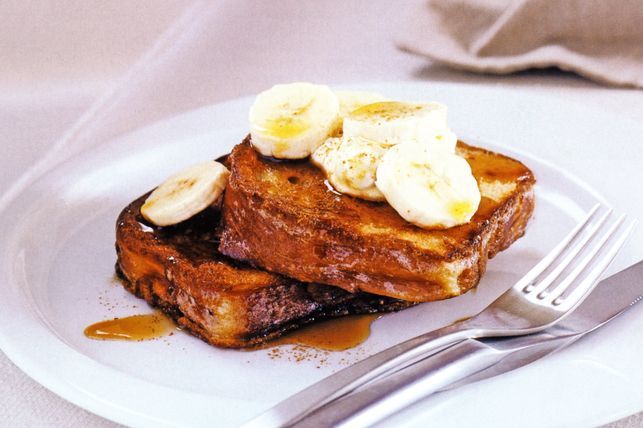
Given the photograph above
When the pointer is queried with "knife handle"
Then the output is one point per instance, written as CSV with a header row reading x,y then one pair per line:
x,y
388,395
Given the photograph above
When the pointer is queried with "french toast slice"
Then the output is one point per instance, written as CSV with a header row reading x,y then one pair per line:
x,y
285,217
224,302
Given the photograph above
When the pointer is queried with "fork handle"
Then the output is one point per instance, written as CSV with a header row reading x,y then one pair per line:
x,y
386,396
344,381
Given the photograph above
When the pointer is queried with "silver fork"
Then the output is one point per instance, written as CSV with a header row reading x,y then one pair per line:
x,y
537,301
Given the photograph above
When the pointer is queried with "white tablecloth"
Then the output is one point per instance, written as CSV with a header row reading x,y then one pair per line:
x,y
249,46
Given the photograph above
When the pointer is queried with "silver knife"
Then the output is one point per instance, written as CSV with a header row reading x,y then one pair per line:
x,y
486,357
476,359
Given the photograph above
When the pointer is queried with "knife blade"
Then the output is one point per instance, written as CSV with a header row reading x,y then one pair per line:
x,y
610,298
476,359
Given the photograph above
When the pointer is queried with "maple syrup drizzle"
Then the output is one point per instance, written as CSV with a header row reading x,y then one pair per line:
x,y
337,334
133,328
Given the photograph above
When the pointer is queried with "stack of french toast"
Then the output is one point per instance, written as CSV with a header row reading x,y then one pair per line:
x,y
336,203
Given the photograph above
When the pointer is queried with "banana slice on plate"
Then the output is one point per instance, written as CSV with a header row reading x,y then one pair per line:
x,y
185,194
290,121
426,187
352,100
350,164
394,122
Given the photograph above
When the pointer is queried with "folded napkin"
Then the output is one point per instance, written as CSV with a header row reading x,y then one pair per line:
x,y
598,39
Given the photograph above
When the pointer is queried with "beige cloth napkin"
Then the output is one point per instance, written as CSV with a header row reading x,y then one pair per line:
x,y
598,39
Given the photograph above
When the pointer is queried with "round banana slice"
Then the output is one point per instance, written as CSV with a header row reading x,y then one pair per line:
x,y
426,187
290,121
350,164
185,194
394,122
352,100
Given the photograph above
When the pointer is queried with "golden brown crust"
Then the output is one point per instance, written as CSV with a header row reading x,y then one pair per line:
x,y
220,300
284,217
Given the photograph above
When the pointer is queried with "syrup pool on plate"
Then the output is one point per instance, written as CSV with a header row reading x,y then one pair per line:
x,y
337,334
135,328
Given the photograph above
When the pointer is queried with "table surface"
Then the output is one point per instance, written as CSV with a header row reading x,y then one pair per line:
x,y
60,63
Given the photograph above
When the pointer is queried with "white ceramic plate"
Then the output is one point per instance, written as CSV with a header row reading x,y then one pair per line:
x,y
57,264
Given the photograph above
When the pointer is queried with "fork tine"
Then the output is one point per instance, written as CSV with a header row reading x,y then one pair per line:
x,y
525,283
591,279
592,250
571,255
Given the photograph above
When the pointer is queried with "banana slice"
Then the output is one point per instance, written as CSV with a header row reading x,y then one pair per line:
x,y
444,139
352,100
350,164
426,187
394,122
290,121
185,194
